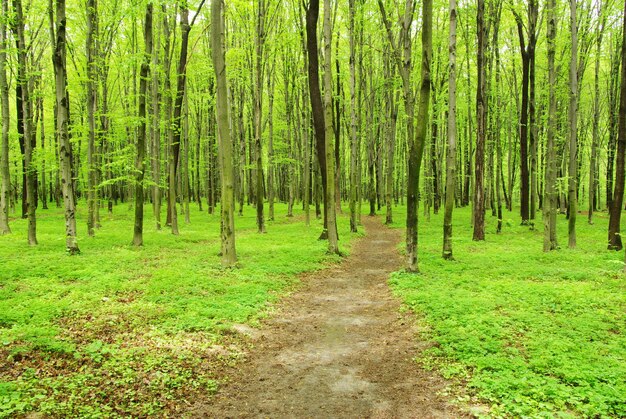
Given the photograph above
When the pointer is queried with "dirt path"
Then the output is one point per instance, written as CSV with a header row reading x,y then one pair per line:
x,y
337,348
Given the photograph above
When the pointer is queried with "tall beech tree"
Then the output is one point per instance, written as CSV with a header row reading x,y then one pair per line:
x,y
572,119
140,161
451,155
329,202
25,110
481,126
615,239
65,147
550,193
315,96
91,54
5,185
402,50
218,53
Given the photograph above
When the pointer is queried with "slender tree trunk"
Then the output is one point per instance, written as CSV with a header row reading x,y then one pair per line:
x,y
451,155
523,126
156,134
5,186
573,128
392,112
44,185
593,178
315,96
329,202
549,200
615,239
140,163
481,125
92,36
65,148
532,111
402,55
23,80
258,116
229,256
270,153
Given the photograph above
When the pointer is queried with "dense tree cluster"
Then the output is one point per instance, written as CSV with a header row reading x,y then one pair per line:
x,y
431,104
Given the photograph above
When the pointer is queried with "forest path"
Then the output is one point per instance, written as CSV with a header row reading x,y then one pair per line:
x,y
337,348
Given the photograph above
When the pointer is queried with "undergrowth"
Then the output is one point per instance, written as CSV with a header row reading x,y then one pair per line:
x,y
119,330
530,334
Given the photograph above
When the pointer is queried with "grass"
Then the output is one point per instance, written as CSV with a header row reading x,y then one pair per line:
x,y
120,331
530,334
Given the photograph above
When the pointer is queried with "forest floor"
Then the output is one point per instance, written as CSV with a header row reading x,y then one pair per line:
x,y
338,347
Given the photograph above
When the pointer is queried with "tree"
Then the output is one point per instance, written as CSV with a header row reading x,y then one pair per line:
x,y
315,97
5,186
415,139
528,57
451,156
481,126
140,162
573,128
177,128
92,35
549,198
258,108
229,256
615,239
24,98
329,202
65,147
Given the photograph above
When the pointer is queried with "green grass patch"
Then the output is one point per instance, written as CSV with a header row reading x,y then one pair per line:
x,y
531,334
120,331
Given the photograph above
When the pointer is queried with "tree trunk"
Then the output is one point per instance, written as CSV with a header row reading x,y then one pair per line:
x,y
229,256
156,134
5,186
451,155
593,178
258,108
573,127
92,35
481,125
549,200
523,126
140,163
65,148
329,201
615,240
315,96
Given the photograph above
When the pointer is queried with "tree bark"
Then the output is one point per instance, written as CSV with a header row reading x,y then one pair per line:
x,y
315,96
140,163
615,239
5,186
593,178
481,125
65,148
92,36
229,256
26,108
523,126
329,201
451,156
573,128
549,200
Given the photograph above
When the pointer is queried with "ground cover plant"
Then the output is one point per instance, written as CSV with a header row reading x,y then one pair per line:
x,y
119,330
530,334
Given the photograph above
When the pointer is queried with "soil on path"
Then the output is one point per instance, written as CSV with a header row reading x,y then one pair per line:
x,y
339,347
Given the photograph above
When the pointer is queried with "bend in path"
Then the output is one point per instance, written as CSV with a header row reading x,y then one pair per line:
x,y
339,347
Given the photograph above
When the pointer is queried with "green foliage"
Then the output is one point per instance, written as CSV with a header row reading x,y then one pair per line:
x,y
121,331
532,334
